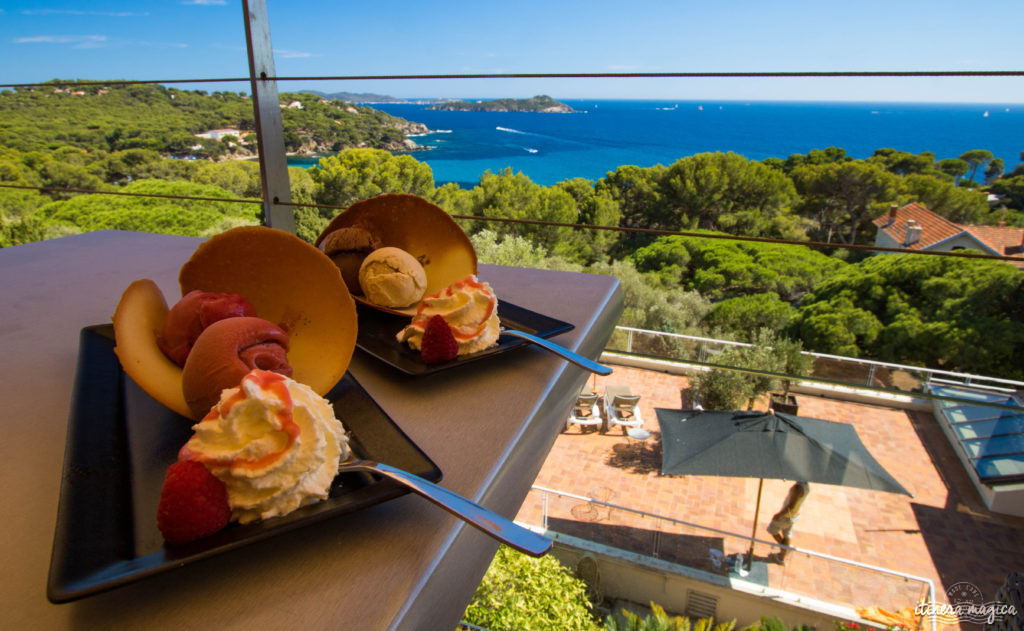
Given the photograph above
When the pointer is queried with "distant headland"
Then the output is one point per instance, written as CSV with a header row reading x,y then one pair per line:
x,y
542,103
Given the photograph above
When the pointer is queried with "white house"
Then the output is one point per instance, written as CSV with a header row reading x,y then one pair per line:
x,y
914,227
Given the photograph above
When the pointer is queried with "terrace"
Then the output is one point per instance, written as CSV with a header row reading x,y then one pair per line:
x,y
944,533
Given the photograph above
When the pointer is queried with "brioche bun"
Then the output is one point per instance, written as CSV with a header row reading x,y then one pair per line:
x,y
422,229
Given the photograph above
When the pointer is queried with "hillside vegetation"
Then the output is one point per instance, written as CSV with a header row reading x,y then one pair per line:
x,y
946,313
167,120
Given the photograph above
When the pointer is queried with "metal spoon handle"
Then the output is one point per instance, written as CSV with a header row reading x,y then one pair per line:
x,y
575,358
522,539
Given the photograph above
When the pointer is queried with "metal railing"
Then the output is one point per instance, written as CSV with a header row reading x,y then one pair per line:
x,y
708,549
833,369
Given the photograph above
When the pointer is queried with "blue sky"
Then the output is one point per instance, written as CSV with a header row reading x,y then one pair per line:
x,y
172,39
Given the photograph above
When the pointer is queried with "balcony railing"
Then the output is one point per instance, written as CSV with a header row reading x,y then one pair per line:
x,y
828,370
716,551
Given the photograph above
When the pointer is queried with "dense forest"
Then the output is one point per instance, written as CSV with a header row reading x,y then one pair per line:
x,y
950,313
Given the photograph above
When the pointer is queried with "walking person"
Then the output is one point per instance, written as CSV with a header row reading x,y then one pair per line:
x,y
781,526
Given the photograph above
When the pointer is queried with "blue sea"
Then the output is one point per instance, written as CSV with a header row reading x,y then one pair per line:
x,y
605,134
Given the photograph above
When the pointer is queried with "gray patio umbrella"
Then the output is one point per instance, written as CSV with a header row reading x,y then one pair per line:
x,y
768,445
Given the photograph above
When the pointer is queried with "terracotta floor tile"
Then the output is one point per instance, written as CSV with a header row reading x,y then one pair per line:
x,y
943,533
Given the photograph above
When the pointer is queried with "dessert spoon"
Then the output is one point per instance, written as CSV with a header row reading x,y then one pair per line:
x,y
491,523
575,358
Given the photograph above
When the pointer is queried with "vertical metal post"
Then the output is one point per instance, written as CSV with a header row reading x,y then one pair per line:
x,y
267,110
753,532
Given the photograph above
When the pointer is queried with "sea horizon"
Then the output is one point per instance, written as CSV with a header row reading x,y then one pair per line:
x,y
604,134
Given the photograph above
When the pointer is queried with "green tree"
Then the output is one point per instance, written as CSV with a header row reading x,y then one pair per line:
x,y
597,208
151,214
1011,189
19,220
648,305
974,159
741,373
515,251
638,193
728,193
117,118
742,316
954,167
358,174
843,197
723,268
940,312
902,162
240,177
957,204
516,197
121,167
456,201
722,388
836,326
995,169
829,155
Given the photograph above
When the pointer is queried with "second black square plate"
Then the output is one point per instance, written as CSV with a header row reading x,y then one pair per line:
x,y
377,331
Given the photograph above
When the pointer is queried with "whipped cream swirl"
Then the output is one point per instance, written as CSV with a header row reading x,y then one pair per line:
x,y
470,309
274,443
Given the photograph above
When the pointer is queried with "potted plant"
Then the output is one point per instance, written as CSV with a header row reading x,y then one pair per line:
x,y
724,388
791,361
721,389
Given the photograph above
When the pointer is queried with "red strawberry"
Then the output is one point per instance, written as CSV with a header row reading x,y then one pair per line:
x,y
193,503
438,344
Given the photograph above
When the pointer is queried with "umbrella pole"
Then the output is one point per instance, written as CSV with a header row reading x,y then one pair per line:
x,y
753,532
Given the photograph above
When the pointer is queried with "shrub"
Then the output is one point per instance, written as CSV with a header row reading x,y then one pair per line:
x,y
658,620
521,592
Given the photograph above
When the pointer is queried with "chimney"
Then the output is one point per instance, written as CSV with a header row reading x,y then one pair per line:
x,y
913,233
892,215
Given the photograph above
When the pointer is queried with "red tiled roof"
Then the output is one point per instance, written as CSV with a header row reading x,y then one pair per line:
x,y
934,228
1001,240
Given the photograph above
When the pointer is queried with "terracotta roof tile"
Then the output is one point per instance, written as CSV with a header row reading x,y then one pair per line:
x,y
1001,240
934,228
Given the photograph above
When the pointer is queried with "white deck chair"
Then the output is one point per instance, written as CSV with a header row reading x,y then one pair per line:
x,y
585,412
624,410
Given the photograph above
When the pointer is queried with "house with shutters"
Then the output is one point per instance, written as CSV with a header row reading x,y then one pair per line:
x,y
914,227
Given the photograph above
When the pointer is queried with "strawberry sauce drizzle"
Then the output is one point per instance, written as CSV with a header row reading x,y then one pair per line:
x,y
278,386
461,333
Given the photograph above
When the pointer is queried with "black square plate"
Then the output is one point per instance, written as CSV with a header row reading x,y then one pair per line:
x,y
377,331
119,445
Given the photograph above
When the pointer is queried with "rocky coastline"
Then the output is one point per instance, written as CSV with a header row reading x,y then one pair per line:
x,y
313,147
540,104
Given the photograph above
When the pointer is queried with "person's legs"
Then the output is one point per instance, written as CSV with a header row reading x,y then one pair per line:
x,y
784,540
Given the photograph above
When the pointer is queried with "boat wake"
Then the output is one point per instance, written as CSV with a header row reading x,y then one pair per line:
x,y
511,131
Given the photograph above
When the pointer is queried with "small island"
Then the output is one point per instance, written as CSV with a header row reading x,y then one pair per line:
x,y
543,103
